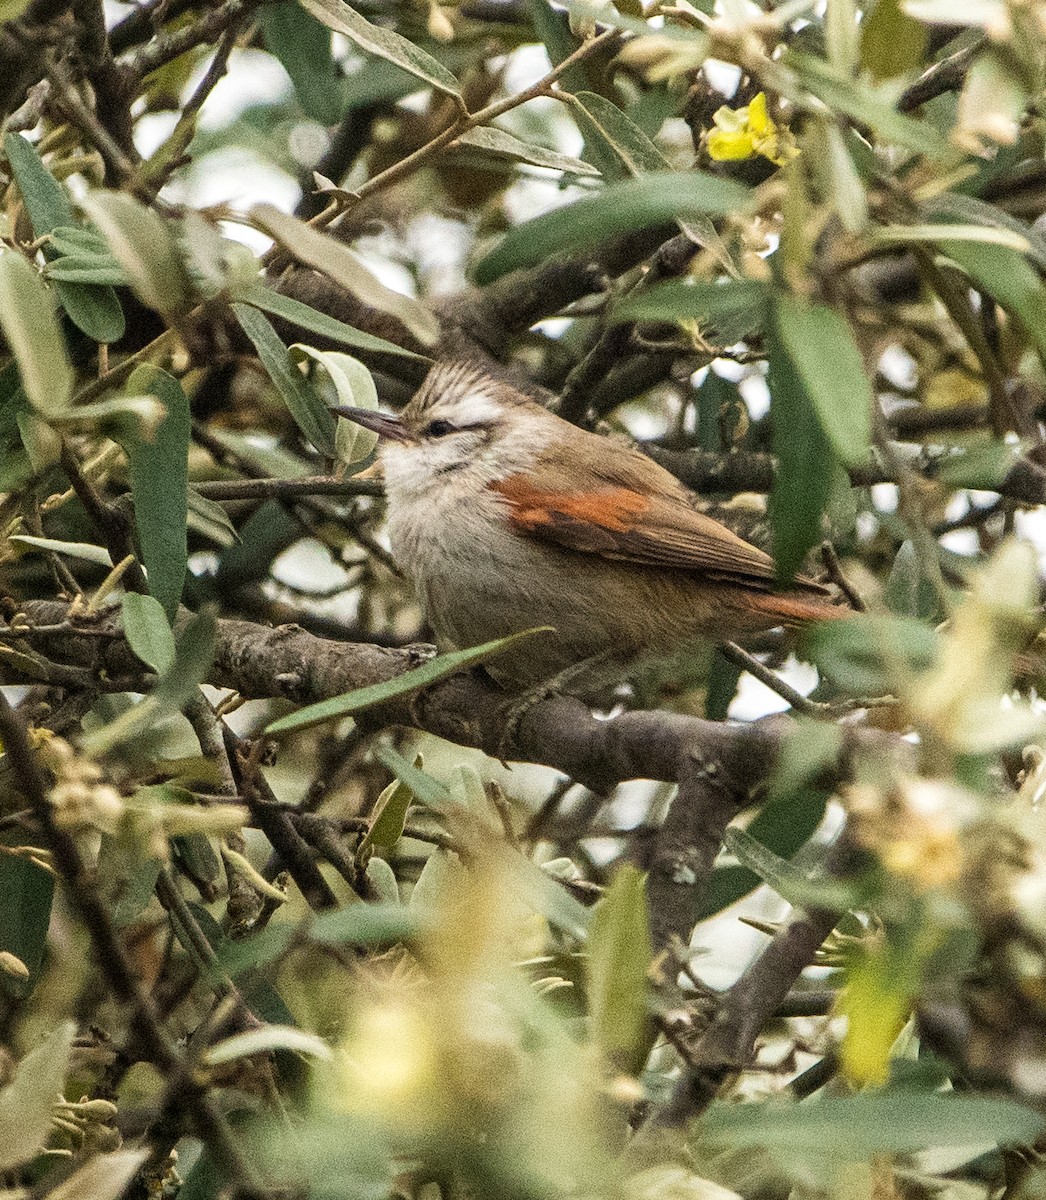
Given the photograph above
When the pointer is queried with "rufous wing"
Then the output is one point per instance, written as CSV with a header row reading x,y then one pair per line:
x,y
634,522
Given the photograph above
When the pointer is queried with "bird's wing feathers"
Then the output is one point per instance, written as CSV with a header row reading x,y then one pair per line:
x,y
634,517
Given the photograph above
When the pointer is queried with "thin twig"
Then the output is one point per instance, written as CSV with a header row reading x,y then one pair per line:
x,y
835,574
413,162
288,489
168,47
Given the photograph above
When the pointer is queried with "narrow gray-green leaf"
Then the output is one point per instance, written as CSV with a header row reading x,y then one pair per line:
x,y
94,310
696,301
83,550
805,464
828,362
303,46
95,272
160,485
264,1039
29,320
385,43
389,816
1006,275
293,311
147,631
862,103
855,1127
303,402
501,145
144,246
620,148
356,924
103,1177
619,954
193,656
44,198
426,788
335,260
26,895
655,199
354,386
380,693
27,1102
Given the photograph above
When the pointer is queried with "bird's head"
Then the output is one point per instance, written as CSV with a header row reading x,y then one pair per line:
x,y
462,421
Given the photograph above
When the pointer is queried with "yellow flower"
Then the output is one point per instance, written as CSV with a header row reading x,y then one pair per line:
x,y
742,133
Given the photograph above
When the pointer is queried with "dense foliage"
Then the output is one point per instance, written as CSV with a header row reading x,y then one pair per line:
x,y
271,922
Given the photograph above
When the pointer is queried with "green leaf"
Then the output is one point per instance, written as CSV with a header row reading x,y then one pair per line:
x,y
865,105
619,147
356,924
27,1102
619,954
426,789
148,631
552,27
44,198
308,318
354,386
380,693
871,655
385,43
969,210
535,886
102,1177
137,890
144,245
1010,278
785,824
311,415
496,143
805,465
389,815
264,1039
82,550
26,893
830,369
303,46
159,486
94,310
732,303
655,199
85,271
982,466
29,321
335,260
382,879
856,1127
801,888
194,653
909,593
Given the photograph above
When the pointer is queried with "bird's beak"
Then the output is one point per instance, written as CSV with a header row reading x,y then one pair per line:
x,y
381,423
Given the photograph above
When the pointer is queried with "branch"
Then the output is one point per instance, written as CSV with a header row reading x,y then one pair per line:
x,y
742,471
729,1042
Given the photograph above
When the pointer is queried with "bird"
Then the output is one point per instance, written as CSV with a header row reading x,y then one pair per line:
x,y
506,517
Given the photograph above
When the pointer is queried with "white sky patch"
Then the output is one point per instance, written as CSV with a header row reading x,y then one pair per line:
x,y
724,77
884,496
755,393
961,541
253,77
755,699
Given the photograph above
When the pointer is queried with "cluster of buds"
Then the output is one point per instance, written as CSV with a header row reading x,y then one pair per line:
x,y
80,799
89,1124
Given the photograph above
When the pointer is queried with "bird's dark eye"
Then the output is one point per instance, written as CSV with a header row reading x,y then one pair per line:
x,y
439,428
